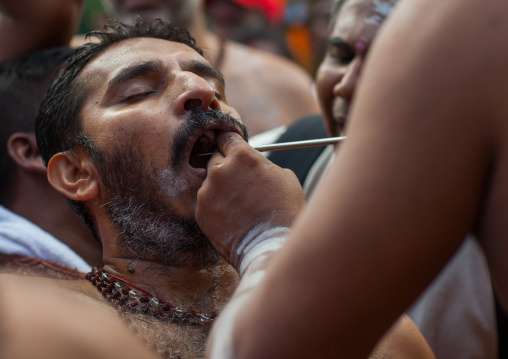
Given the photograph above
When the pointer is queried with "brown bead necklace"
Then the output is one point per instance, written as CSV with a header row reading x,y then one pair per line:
x,y
126,296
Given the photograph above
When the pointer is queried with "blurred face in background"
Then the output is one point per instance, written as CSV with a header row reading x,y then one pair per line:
x,y
351,35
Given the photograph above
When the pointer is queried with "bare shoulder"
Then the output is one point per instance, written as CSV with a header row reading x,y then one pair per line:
x,y
458,59
80,293
51,284
266,89
243,59
31,306
457,39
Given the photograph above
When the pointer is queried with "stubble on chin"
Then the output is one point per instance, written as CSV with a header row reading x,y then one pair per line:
x,y
139,204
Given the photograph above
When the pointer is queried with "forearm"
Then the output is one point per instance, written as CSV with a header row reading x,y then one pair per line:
x,y
245,207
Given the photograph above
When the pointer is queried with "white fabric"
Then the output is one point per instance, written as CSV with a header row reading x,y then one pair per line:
x,y
20,236
456,314
318,169
254,246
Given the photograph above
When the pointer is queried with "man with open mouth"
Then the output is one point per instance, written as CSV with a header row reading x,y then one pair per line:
x,y
122,132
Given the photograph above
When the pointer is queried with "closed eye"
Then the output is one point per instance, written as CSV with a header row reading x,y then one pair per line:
x,y
135,82
136,97
136,93
341,55
340,51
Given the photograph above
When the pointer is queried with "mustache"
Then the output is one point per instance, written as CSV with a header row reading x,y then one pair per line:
x,y
196,120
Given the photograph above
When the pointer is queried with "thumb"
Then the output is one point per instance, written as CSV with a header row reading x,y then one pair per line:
x,y
227,141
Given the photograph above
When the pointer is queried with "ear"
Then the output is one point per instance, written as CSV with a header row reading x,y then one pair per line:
x,y
73,175
23,150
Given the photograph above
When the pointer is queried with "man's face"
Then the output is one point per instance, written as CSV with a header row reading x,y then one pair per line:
x,y
178,12
357,23
147,114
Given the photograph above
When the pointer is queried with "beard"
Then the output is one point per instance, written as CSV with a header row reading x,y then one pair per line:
x,y
139,196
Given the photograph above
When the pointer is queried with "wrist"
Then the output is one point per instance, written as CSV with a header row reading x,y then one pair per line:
x,y
256,243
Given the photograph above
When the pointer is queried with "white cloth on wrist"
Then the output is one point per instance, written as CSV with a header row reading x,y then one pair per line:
x,y
257,242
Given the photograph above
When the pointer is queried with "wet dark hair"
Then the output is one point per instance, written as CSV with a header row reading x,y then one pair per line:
x,y
24,81
58,126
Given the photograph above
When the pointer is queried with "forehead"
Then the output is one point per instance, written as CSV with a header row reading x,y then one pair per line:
x,y
134,51
361,18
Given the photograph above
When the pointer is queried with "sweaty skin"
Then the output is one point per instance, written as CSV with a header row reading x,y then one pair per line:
x,y
79,329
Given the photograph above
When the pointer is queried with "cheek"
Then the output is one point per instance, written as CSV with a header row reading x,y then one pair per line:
x,y
226,108
325,81
152,138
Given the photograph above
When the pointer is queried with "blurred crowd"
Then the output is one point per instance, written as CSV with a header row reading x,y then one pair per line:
x,y
295,29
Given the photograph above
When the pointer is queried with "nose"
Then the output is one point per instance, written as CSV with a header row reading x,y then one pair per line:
x,y
192,104
196,93
347,85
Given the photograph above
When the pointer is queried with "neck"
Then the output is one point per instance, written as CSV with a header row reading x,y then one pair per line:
x,y
193,287
38,202
197,25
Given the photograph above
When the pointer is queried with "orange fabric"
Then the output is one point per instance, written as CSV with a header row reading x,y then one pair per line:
x,y
298,40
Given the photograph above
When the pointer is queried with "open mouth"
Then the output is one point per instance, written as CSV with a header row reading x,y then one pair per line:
x,y
204,144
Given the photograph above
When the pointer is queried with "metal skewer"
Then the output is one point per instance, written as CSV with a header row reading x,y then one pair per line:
x,y
291,145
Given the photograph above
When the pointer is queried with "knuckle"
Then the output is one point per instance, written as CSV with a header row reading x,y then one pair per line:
x,y
245,157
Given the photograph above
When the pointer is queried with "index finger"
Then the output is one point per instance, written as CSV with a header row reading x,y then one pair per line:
x,y
226,141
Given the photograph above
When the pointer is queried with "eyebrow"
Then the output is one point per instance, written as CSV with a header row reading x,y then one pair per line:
x,y
133,71
204,69
337,41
